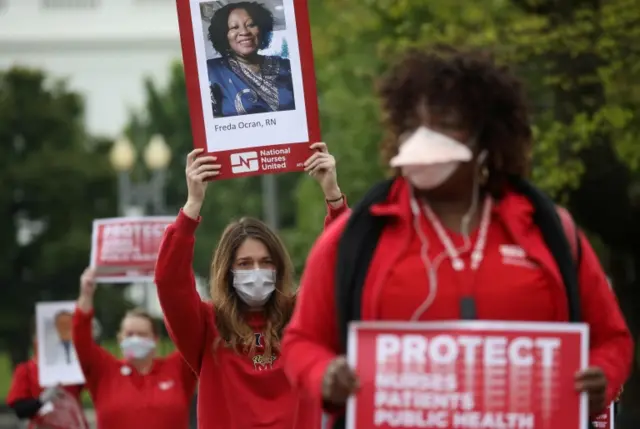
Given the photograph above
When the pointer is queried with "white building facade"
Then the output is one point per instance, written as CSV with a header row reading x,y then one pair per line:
x,y
104,48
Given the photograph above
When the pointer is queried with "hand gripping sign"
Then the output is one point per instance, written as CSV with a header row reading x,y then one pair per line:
x,y
62,411
467,375
125,249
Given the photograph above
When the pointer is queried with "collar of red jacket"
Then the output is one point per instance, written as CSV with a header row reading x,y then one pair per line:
x,y
513,208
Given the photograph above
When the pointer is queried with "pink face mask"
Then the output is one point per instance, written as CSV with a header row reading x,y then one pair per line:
x,y
428,158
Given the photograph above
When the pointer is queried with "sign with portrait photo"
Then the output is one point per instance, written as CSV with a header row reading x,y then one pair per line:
x,y
467,375
57,360
250,83
125,249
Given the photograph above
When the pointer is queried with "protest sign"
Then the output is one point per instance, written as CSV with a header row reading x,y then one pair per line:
x,y
467,375
606,420
250,83
125,249
63,412
57,359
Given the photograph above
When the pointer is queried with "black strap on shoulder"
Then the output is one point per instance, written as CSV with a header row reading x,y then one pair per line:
x,y
355,251
546,218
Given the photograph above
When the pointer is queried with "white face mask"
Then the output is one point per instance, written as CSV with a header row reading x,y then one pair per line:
x,y
254,287
136,347
429,158
431,176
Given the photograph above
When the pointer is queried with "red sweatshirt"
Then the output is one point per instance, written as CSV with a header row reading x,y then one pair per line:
x,y
235,390
25,384
511,286
124,398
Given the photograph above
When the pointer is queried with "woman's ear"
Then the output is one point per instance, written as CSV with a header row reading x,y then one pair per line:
x,y
120,337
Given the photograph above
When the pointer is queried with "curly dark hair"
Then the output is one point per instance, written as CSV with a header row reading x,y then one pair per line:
x,y
219,27
486,98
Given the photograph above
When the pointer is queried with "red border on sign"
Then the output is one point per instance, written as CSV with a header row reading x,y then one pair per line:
x,y
198,130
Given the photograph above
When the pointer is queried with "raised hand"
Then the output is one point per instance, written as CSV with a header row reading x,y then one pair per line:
x,y
197,172
87,289
322,167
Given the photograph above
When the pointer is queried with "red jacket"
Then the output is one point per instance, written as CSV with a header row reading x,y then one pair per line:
x,y
235,391
126,399
529,288
25,384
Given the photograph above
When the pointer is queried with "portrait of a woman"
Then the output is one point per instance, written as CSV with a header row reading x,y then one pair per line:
x,y
242,81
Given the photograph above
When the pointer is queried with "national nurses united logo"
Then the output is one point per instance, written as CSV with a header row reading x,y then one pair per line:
x,y
274,159
244,162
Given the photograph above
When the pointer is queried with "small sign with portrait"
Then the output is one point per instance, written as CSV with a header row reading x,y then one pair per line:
x,y
250,83
57,360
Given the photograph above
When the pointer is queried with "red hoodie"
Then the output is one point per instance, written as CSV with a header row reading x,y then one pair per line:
x,y
124,398
25,384
235,391
525,288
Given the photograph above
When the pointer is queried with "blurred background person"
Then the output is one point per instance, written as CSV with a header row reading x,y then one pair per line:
x,y
458,238
141,390
233,343
25,396
243,81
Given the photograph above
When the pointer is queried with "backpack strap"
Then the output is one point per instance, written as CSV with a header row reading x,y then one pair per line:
x,y
355,251
572,233
558,232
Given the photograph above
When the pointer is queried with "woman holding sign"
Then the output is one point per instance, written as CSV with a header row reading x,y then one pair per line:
x,y
140,391
234,342
26,397
453,235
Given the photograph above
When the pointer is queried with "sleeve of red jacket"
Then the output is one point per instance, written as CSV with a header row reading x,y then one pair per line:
x,y
611,346
334,213
184,311
310,342
188,377
91,356
20,387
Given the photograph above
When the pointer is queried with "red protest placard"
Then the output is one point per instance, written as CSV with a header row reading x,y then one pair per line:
x,y
64,412
125,249
467,375
606,420
251,83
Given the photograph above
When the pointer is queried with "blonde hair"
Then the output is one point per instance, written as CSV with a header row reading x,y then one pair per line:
x,y
230,322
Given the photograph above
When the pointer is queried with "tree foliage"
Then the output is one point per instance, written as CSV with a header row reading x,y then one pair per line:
x,y
54,179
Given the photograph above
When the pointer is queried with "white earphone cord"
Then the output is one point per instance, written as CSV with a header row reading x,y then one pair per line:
x,y
430,267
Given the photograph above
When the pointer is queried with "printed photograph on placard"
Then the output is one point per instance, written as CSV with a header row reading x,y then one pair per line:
x,y
247,55
57,359
250,82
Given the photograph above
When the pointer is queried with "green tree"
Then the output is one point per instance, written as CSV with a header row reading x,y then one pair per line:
x,y
54,180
